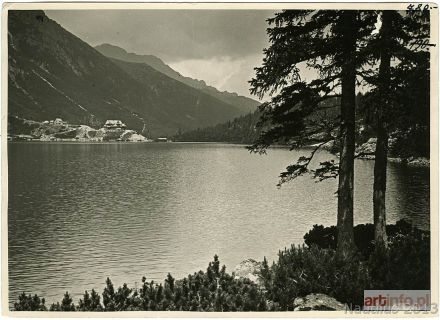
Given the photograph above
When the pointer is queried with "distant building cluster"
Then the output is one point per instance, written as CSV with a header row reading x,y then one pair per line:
x,y
114,124
57,121
59,130
109,124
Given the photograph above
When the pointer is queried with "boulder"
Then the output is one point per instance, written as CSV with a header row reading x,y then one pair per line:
x,y
418,162
249,269
132,136
136,138
317,301
126,135
412,161
367,147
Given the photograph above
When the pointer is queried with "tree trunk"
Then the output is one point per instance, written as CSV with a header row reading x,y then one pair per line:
x,y
379,188
345,245
381,154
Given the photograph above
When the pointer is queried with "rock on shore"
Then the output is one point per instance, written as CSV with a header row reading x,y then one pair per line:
x,y
249,269
412,161
317,301
369,148
132,136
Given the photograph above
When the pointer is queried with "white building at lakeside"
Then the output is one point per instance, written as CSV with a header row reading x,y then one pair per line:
x,y
114,124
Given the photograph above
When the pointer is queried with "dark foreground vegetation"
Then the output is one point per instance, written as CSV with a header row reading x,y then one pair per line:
x,y
300,270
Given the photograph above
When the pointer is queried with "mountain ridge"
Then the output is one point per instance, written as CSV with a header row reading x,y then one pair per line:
x,y
244,103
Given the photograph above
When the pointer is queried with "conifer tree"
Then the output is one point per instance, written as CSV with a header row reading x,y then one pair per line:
x,y
327,42
122,298
108,296
67,303
29,303
95,301
85,303
403,70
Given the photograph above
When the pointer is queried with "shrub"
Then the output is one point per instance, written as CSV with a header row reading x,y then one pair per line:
x,y
29,303
213,290
90,302
323,237
66,304
405,265
412,142
327,237
300,271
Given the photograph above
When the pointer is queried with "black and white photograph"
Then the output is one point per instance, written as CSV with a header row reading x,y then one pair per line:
x,y
267,159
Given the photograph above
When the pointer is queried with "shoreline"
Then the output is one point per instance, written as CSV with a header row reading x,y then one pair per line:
x,y
421,162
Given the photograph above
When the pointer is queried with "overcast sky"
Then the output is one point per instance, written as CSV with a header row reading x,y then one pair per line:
x,y
219,46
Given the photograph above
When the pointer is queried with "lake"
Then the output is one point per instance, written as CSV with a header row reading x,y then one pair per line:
x,y
79,213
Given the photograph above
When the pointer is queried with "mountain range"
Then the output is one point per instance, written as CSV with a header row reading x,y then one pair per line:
x,y
53,73
247,105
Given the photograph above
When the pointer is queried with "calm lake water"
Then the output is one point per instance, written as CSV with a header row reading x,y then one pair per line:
x,y
79,213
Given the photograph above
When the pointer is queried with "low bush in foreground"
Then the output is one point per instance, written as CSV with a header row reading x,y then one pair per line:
x,y
299,271
213,290
316,268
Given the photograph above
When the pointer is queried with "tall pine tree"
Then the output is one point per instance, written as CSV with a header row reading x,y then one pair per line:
x,y
327,42
403,72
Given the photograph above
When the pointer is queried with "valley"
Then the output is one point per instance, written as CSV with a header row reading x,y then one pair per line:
x,y
54,74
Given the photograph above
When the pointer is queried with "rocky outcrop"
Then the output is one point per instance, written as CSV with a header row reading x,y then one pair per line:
x,y
317,301
43,129
85,132
137,138
418,162
367,150
249,269
412,161
132,136
49,131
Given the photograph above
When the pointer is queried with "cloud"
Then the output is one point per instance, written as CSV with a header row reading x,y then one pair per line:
x,y
224,73
172,35
221,47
